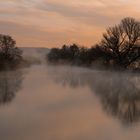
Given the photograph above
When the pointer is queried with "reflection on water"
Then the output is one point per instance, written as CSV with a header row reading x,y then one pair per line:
x,y
69,103
119,92
10,83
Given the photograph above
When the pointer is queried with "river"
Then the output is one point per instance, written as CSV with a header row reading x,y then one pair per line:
x,y
69,103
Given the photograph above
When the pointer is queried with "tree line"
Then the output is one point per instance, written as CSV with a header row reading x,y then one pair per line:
x,y
118,48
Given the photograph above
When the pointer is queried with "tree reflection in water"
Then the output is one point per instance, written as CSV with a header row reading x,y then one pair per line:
x,y
10,83
119,92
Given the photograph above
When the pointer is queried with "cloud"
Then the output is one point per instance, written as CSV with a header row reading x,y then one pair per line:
x,y
28,36
97,13
51,22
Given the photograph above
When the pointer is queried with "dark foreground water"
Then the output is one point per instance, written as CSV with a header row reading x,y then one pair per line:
x,y
69,103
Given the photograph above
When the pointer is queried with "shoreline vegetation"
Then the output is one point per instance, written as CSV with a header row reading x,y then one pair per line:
x,y
119,49
11,57
10,54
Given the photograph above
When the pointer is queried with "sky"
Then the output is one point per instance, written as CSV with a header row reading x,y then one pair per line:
x,y
52,23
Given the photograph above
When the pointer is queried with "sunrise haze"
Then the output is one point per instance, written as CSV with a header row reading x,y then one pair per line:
x,y
52,23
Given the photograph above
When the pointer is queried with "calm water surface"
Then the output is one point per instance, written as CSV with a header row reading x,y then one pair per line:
x,y
68,103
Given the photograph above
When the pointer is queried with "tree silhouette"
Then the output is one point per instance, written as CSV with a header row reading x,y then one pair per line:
x,y
119,48
10,55
66,53
121,42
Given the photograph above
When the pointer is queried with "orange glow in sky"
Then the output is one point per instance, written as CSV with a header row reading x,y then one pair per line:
x,y
52,23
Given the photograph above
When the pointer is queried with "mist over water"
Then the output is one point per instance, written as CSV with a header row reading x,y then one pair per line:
x,y
45,102
118,92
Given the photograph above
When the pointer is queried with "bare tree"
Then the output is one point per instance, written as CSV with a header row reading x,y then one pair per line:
x,y
122,42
